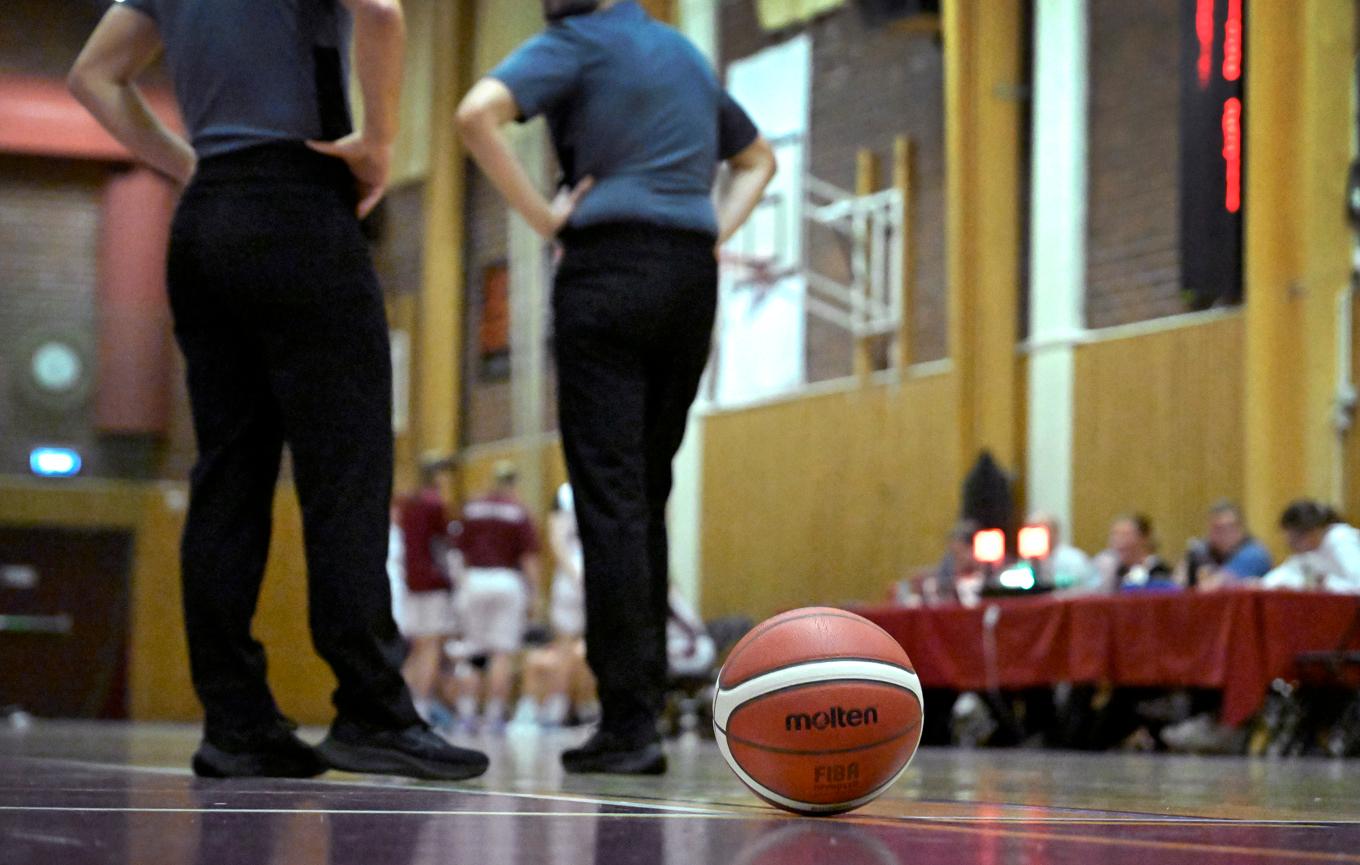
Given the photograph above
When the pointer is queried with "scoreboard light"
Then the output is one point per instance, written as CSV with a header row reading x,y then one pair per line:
x,y
989,546
1034,542
47,462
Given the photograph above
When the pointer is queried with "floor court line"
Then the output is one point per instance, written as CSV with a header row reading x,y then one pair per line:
x,y
371,812
429,787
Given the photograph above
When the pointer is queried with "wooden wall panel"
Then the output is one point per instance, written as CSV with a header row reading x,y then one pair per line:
x,y
827,498
1158,429
1350,506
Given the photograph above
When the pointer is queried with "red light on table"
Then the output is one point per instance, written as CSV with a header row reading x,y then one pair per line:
x,y
1034,542
989,546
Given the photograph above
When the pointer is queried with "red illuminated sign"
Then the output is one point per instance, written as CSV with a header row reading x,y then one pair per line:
x,y
1204,31
1232,154
1232,71
1232,41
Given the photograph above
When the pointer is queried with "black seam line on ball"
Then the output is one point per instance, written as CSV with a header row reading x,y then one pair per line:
x,y
835,614
907,731
813,661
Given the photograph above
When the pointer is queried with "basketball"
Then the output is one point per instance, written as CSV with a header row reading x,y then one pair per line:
x,y
817,711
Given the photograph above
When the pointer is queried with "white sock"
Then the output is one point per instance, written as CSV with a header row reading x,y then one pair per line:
x,y
526,710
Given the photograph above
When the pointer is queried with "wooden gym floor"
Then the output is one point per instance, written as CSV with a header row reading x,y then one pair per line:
x,y
122,794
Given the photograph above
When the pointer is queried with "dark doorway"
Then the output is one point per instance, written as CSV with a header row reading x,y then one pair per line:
x,y
64,598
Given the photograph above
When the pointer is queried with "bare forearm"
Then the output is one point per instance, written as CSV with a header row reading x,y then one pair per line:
x,y
121,109
490,150
744,190
379,49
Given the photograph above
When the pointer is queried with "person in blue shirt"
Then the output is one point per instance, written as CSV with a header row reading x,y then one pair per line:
x,y
640,125
280,318
1227,555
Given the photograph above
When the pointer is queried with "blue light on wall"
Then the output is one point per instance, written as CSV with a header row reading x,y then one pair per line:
x,y
54,462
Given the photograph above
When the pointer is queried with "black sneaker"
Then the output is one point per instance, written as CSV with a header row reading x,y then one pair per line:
x,y
415,752
609,753
272,751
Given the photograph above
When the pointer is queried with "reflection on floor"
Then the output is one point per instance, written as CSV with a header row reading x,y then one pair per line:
x,y
120,794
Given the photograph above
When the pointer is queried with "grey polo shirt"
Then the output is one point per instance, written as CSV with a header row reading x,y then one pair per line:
x,y
250,72
633,104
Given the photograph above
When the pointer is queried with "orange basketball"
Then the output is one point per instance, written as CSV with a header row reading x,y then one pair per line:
x,y
818,710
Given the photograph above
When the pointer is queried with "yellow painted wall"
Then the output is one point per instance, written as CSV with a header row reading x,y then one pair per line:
x,y
1350,506
501,27
1158,429
826,498
159,686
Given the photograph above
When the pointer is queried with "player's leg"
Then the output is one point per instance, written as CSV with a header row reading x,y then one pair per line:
x,y
330,369
604,311
227,530
505,621
674,372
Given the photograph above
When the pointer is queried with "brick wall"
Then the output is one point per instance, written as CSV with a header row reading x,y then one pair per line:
x,y
49,235
486,403
50,211
487,400
868,86
43,37
1133,261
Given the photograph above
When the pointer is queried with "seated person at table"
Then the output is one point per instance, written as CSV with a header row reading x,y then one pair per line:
x,y
941,585
1065,566
1326,551
958,575
1226,555
1131,561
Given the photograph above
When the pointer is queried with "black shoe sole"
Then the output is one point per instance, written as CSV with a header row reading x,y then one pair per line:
x,y
373,760
647,760
212,762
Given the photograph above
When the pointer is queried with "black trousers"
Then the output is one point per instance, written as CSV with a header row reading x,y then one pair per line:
x,y
280,318
633,309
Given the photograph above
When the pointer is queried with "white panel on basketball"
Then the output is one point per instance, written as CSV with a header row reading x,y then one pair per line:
x,y
726,700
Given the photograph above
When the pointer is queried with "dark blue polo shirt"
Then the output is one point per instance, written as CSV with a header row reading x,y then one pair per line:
x,y
250,72
633,104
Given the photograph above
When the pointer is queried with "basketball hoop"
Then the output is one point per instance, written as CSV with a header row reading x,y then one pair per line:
x,y
760,274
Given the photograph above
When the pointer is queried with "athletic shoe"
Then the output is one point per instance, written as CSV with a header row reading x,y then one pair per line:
x,y
1203,734
415,752
609,753
272,751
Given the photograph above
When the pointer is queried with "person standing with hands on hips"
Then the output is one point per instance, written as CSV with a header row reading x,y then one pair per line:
x,y
640,124
280,318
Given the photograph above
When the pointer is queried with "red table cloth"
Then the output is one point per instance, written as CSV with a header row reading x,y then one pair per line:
x,y
1236,641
